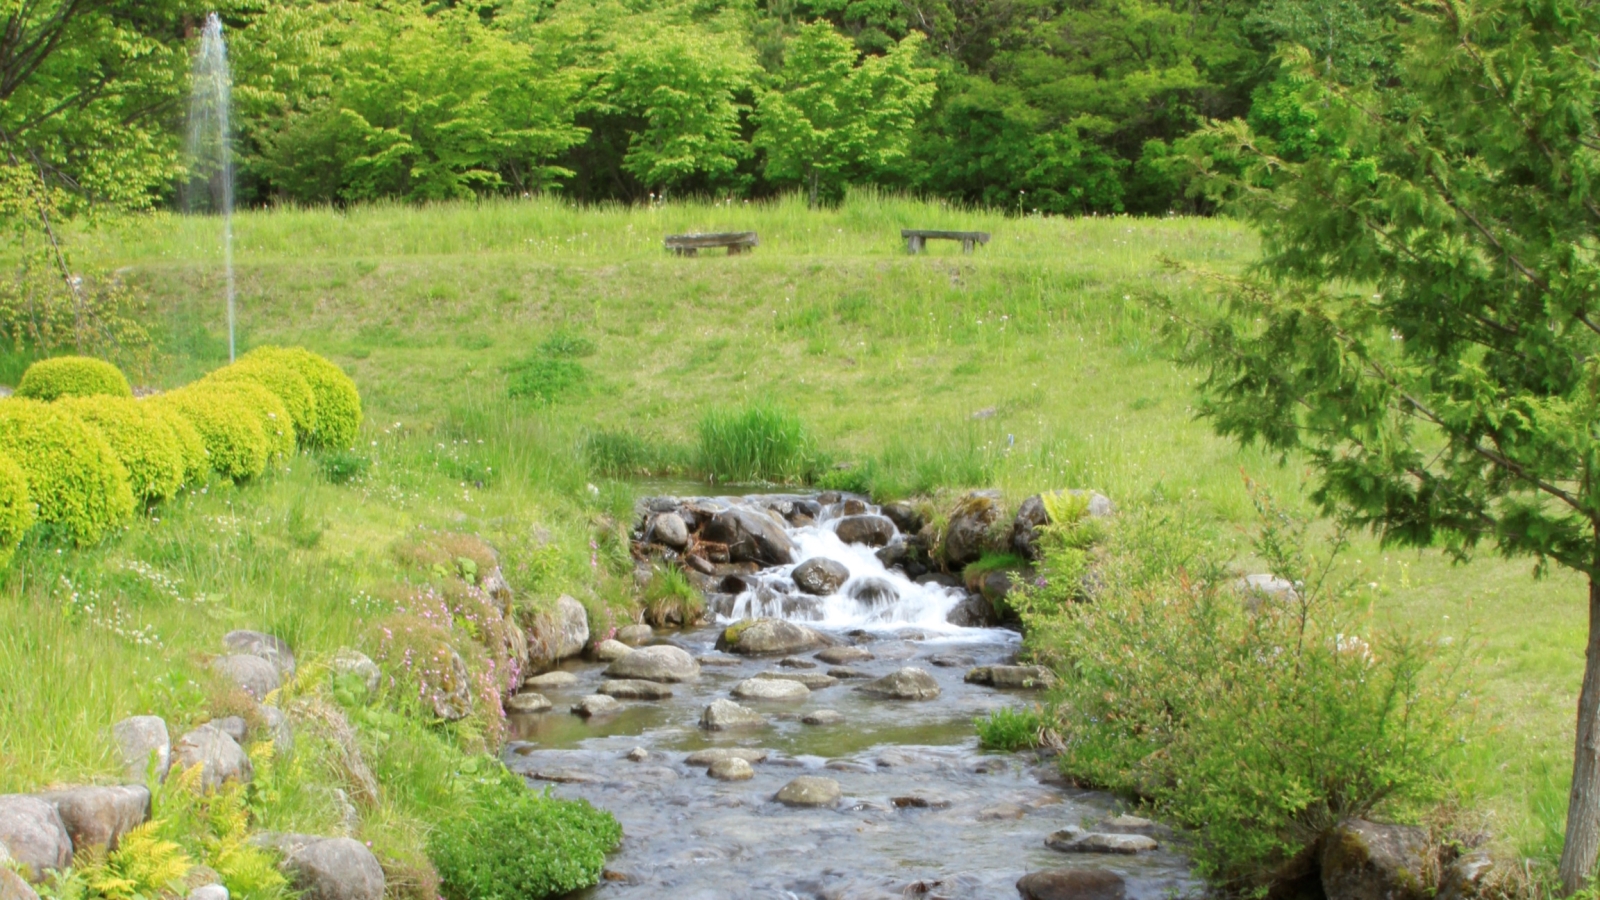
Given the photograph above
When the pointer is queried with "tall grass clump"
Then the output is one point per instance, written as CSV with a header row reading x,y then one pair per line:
x,y
756,443
1258,721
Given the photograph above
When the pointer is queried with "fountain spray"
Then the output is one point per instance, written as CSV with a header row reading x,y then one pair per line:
x,y
210,145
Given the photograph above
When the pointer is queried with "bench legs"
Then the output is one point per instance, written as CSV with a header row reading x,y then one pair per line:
x,y
915,244
735,249
685,251
966,246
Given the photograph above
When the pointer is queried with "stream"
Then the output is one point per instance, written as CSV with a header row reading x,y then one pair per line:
x,y
924,812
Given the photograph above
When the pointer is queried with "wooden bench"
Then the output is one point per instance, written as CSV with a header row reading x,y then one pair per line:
x,y
917,238
691,244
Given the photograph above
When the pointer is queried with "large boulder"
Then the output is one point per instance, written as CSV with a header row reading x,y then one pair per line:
x,y
763,637
974,611
355,664
1025,527
254,675
275,727
1018,677
255,643
139,740
771,689
636,634
12,885
32,832
968,532
820,576
596,705
904,516
332,869
669,529
662,662
570,628
527,702
750,536
611,650
100,816
726,715
810,790
220,757
874,531
1072,884
1364,860
909,683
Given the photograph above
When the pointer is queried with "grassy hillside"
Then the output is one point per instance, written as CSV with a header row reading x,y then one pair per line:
x,y
1027,365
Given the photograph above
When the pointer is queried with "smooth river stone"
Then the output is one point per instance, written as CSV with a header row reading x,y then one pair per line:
x,y
813,680
596,705
711,755
628,689
551,681
731,769
907,684
770,689
662,662
810,790
527,702
726,715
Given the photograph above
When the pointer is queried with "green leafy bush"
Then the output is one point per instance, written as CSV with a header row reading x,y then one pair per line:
x,y
72,376
16,508
190,445
281,378
338,403
340,466
236,446
565,343
756,443
74,478
142,440
669,598
276,423
1010,729
546,379
512,843
1257,722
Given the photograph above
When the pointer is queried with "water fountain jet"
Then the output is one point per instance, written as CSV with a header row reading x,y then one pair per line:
x,y
210,146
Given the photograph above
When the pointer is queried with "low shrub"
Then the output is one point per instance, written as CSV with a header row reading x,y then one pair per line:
x,y
341,466
142,440
16,508
338,403
190,445
236,446
546,379
74,478
284,380
1009,729
511,843
756,443
276,423
568,344
72,376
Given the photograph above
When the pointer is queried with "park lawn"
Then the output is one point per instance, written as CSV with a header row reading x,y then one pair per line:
x,y
1029,365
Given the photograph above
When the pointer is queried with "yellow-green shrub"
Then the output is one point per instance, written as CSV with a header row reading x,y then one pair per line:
x,y
16,508
282,378
142,441
276,423
190,444
72,376
76,482
236,445
338,402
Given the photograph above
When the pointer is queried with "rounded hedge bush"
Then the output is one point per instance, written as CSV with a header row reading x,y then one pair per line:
x,y
143,442
76,482
16,507
338,401
236,446
281,378
190,444
72,376
276,423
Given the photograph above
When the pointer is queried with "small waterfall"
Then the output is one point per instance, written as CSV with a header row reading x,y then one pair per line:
x,y
210,187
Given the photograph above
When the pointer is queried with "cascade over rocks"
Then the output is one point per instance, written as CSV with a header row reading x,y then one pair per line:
x,y
873,592
874,531
820,576
750,536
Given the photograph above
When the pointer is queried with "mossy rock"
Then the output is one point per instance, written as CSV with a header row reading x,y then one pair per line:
x,y
190,444
72,376
282,378
17,513
236,445
142,440
337,400
74,478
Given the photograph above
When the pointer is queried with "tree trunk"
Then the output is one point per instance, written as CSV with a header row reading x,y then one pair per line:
x,y
1583,805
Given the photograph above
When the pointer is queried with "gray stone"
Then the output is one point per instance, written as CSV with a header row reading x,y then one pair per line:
x,y
611,650
769,637
12,885
810,790
731,769
31,830
820,576
596,705
1126,824
662,662
1464,878
348,662
1025,527
874,531
823,717
1074,840
797,662
234,727
725,715
138,739
812,680
909,683
670,530
951,660
709,756
718,659
1018,677
551,681
220,757
967,534
527,702
904,516
974,611
634,635
631,689
334,869
255,643
841,655
1072,884
750,536
771,689
209,892
853,506
254,675
1364,860
919,800
638,754
843,672
1000,811
100,816
571,628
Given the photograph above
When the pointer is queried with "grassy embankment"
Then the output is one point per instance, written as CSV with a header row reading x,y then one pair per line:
x,y
1029,365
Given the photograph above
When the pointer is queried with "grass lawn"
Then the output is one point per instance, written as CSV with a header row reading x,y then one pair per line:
x,y
1027,365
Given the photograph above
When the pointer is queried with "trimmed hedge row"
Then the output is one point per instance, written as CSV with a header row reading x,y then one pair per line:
x,y
82,463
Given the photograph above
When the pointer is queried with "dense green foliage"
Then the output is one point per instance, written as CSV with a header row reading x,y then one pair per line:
x,y
277,425
284,381
17,512
336,401
1009,729
509,843
756,443
72,376
190,445
236,446
142,440
74,478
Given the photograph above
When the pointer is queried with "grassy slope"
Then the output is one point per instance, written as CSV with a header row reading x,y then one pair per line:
x,y
884,356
